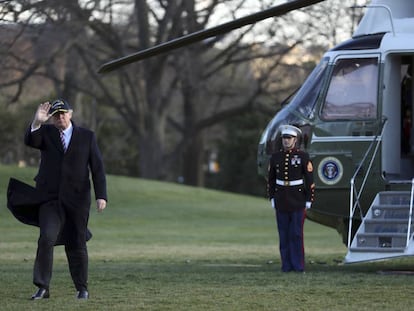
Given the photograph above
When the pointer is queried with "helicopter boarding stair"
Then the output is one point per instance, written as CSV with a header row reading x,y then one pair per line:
x,y
386,230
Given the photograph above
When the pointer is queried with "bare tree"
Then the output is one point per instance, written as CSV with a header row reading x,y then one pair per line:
x,y
167,102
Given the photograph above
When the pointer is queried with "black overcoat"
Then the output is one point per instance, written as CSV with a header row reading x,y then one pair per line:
x,y
24,201
65,176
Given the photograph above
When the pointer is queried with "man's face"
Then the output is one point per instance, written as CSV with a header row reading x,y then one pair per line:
x,y
288,142
62,119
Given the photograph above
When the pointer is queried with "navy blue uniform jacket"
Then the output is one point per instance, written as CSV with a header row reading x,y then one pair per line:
x,y
286,167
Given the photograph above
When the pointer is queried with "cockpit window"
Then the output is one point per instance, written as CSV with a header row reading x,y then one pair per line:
x,y
352,93
300,108
305,99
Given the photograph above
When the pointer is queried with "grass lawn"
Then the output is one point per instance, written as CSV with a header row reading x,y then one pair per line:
x,y
162,246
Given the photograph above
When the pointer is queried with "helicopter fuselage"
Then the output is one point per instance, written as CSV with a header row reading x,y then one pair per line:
x,y
355,112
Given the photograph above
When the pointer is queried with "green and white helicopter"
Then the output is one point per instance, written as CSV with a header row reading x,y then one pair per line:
x,y
355,112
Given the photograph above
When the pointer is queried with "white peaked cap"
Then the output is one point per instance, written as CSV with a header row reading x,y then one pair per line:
x,y
290,130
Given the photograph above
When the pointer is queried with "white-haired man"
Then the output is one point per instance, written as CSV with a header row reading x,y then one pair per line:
x,y
69,155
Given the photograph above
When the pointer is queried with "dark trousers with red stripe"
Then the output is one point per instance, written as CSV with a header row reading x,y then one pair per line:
x,y
290,228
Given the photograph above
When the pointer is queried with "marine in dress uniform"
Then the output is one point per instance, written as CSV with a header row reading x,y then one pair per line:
x,y
291,192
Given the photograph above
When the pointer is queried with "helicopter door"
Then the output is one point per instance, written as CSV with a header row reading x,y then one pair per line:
x,y
348,116
398,147
391,146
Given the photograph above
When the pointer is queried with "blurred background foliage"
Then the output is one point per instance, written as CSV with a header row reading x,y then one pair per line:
x,y
192,116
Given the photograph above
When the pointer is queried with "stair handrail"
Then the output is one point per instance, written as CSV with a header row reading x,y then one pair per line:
x,y
410,215
353,205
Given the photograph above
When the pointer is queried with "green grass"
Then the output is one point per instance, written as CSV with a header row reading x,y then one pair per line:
x,y
162,246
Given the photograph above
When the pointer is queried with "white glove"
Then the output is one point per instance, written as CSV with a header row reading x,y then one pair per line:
x,y
308,205
272,201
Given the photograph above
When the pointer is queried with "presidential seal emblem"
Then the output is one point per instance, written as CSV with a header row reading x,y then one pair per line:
x,y
330,170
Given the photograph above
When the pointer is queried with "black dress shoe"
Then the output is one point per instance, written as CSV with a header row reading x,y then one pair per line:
x,y
42,293
83,294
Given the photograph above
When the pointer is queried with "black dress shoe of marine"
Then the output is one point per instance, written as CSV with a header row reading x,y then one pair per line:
x,y
42,293
83,294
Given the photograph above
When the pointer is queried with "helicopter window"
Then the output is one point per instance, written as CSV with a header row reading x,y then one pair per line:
x,y
352,93
305,99
299,108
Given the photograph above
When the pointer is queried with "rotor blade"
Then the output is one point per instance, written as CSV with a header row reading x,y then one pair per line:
x,y
206,33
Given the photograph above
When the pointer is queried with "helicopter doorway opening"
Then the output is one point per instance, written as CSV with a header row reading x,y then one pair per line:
x,y
407,108
398,108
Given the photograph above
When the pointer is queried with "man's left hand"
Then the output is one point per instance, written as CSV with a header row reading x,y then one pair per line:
x,y
100,204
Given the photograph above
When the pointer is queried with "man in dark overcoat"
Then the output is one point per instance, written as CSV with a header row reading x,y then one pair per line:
x,y
291,191
69,155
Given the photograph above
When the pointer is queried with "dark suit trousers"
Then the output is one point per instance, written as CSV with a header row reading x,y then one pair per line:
x,y
52,218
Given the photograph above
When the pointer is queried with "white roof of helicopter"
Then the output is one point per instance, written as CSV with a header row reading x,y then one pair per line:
x,y
393,16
